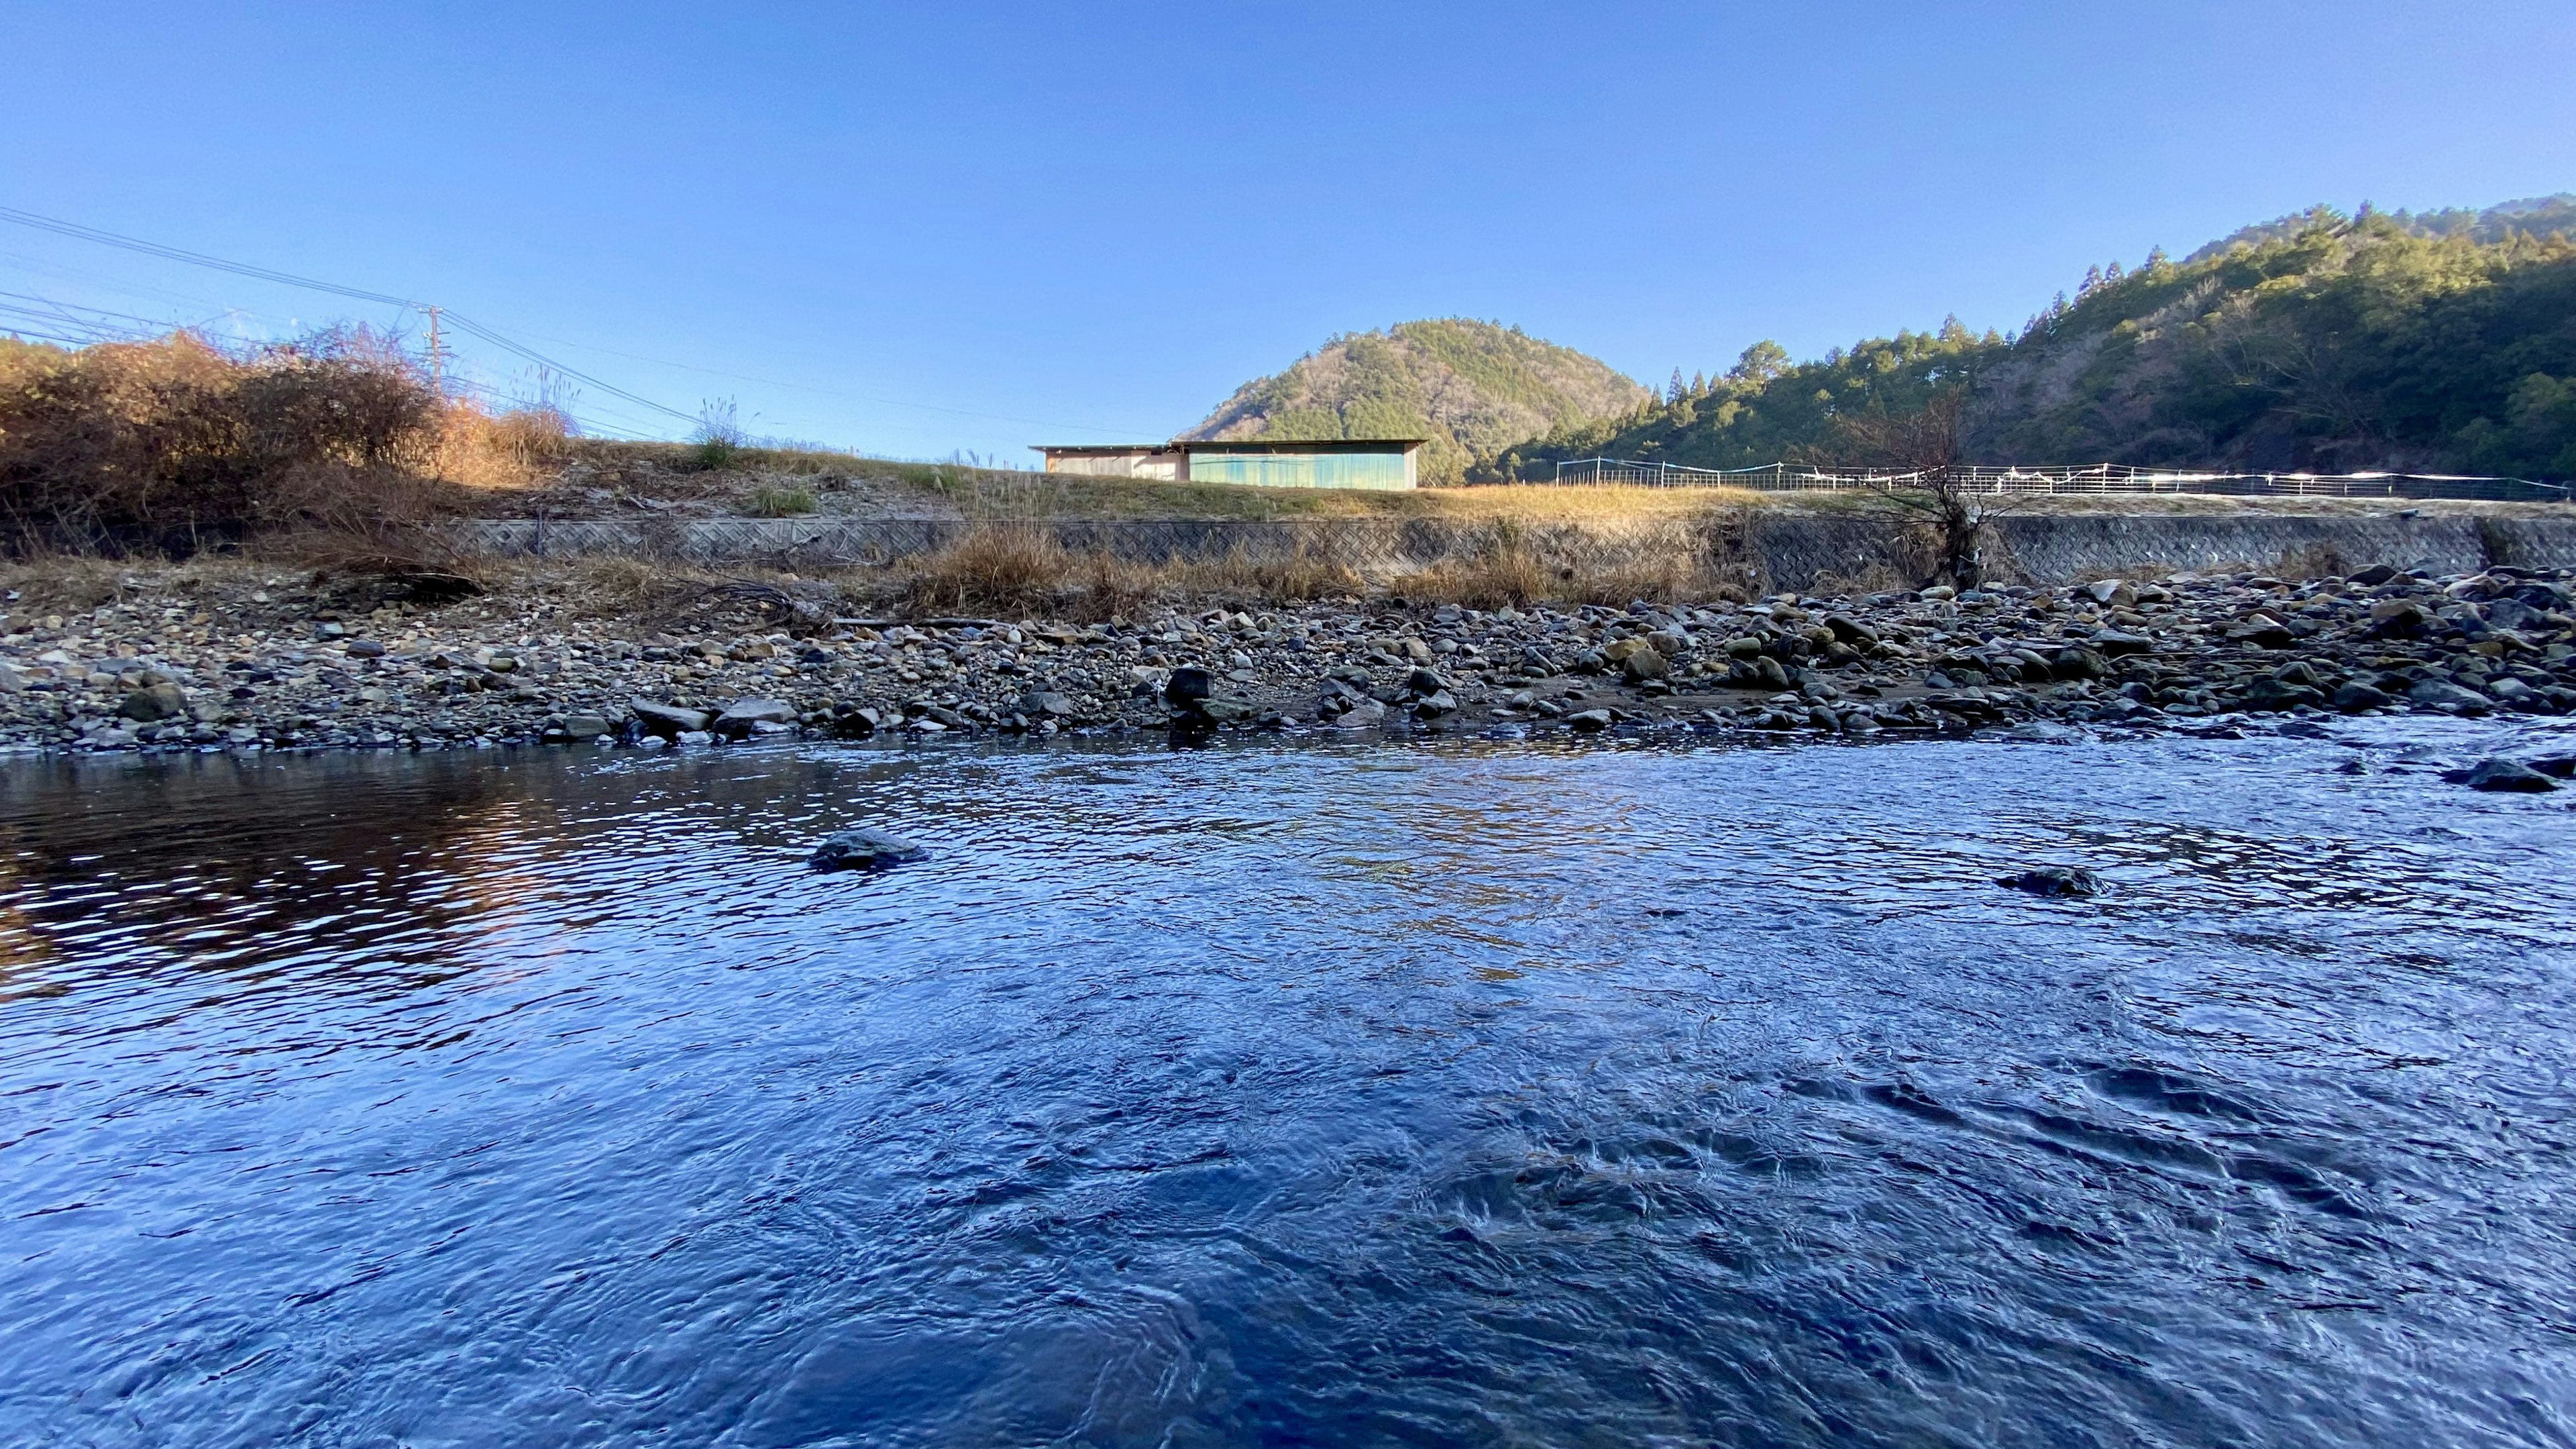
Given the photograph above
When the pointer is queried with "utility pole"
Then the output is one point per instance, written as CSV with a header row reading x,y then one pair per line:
x,y
437,372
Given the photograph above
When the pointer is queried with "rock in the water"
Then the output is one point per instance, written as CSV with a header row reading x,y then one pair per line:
x,y
864,849
2356,696
2503,775
2558,767
2278,695
586,726
746,716
2442,694
667,719
1590,720
2054,880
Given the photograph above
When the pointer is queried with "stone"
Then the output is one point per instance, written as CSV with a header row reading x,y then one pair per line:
x,y
2372,577
154,703
2557,767
667,720
1189,683
2115,592
587,726
1421,683
364,649
1850,630
2443,695
1590,721
864,849
742,716
2501,774
1365,715
1617,651
1644,664
2356,696
1436,704
2054,880
2115,643
1045,704
2274,695
2078,663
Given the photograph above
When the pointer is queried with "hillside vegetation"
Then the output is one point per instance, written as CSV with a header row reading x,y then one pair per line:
x,y
1472,388
2322,342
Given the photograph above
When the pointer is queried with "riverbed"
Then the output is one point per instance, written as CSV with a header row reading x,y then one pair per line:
x,y
1461,1092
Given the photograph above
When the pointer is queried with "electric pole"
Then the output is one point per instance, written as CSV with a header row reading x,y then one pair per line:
x,y
437,372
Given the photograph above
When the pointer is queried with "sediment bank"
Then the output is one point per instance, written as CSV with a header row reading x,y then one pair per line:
x,y
1765,549
182,660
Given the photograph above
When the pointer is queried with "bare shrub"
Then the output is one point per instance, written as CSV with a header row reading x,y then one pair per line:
x,y
995,568
1301,577
175,445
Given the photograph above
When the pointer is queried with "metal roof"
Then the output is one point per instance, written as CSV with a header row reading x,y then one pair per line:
x,y
1238,445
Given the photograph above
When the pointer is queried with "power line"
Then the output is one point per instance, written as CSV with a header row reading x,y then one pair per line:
x,y
290,279
464,324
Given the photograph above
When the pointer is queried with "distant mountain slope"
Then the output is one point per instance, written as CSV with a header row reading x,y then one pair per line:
x,y
1472,388
2342,343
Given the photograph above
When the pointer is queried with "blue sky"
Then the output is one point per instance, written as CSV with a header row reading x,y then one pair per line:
x,y
923,229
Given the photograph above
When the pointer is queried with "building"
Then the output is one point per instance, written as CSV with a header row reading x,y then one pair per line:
x,y
1261,462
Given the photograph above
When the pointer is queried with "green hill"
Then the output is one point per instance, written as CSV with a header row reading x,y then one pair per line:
x,y
1472,388
2326,342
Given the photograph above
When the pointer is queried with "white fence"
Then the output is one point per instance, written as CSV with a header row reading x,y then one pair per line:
x,y
2097,478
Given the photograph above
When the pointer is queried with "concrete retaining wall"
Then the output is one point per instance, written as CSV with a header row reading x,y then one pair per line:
x,y
1769,550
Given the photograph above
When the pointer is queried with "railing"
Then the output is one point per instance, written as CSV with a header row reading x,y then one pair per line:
x,y
2096,478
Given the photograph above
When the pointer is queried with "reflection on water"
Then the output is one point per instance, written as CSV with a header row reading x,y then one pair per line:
x,y
1472,1094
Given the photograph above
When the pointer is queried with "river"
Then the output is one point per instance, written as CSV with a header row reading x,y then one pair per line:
x,y
1465,1093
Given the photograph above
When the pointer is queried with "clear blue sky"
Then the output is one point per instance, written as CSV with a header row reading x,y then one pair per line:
x,y
1094,221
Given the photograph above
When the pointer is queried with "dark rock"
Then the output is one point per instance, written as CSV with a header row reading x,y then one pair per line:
x,y
2502,775
365,649
667,719
2439,693
1045,704
1850,630
1189,683
2559,767
2054,880
2355,697
1590,721
2115,643
153,703
587,726
2275,695
2078,663
745,716
1421,683
2373,576
864,849
1436,704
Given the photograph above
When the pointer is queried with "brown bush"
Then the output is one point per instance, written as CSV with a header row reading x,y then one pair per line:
x,y
176,445
996,568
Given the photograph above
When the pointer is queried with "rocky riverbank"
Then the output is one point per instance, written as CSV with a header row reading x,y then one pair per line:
x,y
175,662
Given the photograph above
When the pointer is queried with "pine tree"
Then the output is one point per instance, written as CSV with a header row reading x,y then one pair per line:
x,y
1674,391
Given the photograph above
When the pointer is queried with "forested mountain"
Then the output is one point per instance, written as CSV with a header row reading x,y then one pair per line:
x,y
1472,388
2378,340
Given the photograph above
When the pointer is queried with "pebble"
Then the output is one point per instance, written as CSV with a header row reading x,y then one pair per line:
x,y
185,660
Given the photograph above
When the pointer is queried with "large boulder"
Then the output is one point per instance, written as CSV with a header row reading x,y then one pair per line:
x,y
864,849
668,720
2450,698
154,703
2503,775
753,716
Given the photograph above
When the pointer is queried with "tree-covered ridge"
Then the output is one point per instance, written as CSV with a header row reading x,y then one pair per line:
x,y
2539,216
1472,388
2349,343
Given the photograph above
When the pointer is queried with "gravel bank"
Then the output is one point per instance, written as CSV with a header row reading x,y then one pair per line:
x,y
179,662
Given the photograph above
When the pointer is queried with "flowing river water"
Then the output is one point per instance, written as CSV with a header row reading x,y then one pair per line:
x,y
1469,1093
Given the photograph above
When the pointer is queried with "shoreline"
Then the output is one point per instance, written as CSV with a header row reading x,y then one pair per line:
x,y
183,658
